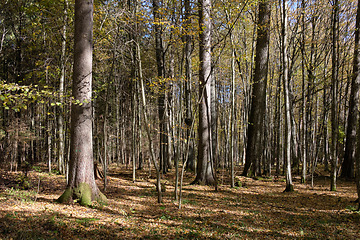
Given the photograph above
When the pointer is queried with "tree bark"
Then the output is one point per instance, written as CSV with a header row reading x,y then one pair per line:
x,y
334,80
82,186
162,93
285,75
356,79
254,146
188,79
61,152
350,145
204,170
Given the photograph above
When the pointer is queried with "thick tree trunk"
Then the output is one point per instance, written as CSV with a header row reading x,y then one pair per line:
x,y
349,158
205,167
356,79
254,146
82,186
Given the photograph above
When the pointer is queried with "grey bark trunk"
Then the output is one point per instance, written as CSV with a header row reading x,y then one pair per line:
x,y
204,170
82,184
61,153
289,184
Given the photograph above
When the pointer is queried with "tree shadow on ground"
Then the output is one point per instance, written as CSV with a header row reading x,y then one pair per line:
x,y
259,211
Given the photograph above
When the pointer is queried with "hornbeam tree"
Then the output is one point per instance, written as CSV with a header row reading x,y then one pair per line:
x,y
81,186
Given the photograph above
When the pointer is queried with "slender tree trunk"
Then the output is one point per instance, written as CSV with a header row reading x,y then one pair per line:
x,y
162,93
188,79
147,128
254,146
134,126
232,118
285,75
61,153
334,83
303,128
82,184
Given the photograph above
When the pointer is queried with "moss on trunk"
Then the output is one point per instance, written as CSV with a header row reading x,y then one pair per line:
x,y
82,194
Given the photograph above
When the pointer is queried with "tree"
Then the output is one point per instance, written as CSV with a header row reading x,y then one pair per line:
x,y
350,145
356,80
205,166
188,77
286,83
254,146
334,86
160,53
81,185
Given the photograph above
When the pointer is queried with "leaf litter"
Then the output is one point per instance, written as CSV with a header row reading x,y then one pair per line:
x,y
259,209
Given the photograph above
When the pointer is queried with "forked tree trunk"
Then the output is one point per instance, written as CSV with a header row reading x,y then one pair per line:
x,y
81,186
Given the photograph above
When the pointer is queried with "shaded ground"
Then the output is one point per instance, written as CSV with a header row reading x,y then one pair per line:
x,y
257,210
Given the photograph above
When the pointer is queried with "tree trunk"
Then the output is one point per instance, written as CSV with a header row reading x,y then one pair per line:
x,y
204,170
356,79
232,117
285,75
303,122
188,78
349,157
254,146
82,186
61,152
162,93
334,80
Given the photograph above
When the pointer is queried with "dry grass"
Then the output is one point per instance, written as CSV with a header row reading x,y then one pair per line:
x,y
257,210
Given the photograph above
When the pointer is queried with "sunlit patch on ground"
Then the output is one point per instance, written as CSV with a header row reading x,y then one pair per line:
x,y
257,210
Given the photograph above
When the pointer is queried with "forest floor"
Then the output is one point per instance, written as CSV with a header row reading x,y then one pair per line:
x,y
258,209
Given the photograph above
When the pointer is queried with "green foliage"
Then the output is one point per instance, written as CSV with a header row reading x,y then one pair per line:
x,y
65,197
20,195
23,182
18,97
86,221
83,195
55,171
37,169
342,134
